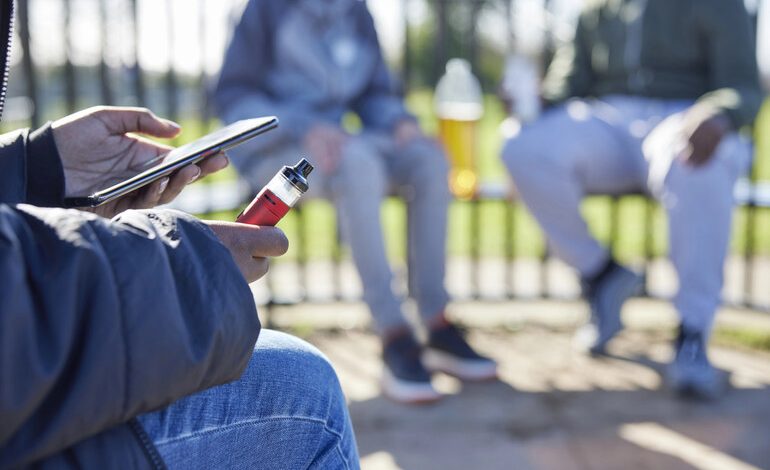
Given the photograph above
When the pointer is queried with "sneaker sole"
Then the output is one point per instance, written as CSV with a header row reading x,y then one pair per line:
x,y
408,393
463,369
694,388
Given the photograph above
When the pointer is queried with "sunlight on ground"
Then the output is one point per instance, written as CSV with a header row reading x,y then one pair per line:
x,y
657,438
379,461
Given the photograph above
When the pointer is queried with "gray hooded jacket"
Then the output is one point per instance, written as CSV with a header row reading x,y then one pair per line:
x,y
307,62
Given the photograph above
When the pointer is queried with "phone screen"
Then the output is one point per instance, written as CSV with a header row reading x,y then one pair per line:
x,y
193,152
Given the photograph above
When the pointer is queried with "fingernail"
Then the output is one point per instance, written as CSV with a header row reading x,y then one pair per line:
x,y
163,185
197,174
172,124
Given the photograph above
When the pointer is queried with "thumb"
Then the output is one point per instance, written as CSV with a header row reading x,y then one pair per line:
x,y
122,120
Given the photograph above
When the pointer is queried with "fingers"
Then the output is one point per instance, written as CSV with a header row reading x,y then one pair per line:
x,y
213,164
249,240
254,268
190,174
178,181
121,120
151,195
250,246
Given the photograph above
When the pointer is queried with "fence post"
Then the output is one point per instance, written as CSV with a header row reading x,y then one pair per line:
x,y
107,96
139,85
27,63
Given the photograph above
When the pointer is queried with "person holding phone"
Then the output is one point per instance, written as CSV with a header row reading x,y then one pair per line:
x,y
129,342
310,62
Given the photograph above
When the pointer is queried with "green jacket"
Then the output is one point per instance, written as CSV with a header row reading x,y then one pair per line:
x,y
700,50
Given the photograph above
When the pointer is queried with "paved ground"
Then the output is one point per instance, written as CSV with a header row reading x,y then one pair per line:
x,y
552,408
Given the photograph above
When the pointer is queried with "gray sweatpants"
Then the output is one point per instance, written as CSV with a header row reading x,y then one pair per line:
x,y
621,144
372,167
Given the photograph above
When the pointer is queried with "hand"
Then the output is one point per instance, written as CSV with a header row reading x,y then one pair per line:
x,y
325,143
406,132
250,245
98,149
704,130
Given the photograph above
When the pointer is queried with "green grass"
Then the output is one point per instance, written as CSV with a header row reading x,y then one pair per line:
x,y
742,337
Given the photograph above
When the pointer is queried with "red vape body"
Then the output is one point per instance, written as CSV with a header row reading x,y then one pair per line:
x,y
278,196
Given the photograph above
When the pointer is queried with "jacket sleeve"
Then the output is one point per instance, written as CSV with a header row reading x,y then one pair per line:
x,y
732,61
379,107
103,320
31,169
238,93
570,74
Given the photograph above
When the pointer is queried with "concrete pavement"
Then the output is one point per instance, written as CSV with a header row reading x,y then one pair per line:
x,y
552,408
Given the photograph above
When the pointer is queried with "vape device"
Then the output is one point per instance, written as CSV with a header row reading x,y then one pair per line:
x,y
278,196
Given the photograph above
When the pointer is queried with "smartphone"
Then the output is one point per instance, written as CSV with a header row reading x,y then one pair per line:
x,y
208,145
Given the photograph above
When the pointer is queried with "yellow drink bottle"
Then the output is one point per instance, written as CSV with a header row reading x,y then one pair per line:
x,y
458,104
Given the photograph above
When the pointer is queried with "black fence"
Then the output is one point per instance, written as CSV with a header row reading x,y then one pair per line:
x,y
46,84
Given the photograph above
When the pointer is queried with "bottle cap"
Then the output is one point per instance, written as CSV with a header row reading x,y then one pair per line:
x,y
458,93
297,175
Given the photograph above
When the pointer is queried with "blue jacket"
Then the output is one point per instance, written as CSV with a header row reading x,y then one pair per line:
x,y
279,63
103,320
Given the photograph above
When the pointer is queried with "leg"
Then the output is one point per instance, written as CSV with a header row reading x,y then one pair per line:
x,y
286,411
420,173
556,160
358,188
699,203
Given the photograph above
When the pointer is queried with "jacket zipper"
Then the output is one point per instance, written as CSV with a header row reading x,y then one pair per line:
x,y
156,461
7,65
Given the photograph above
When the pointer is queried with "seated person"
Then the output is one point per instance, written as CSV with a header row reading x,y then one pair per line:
x,y
660,91
309,62
129,343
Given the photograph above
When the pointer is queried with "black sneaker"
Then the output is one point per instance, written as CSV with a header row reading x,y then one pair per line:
x,y
448,352
606,295
404,378
690,374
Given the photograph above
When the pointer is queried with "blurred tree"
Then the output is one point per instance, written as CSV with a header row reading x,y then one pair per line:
x,y
451,29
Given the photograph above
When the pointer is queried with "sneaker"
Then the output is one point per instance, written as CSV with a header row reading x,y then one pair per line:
x,y
691,374
448,352
606,294
404,378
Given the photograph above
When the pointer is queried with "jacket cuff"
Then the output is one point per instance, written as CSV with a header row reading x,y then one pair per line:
x,y
45,173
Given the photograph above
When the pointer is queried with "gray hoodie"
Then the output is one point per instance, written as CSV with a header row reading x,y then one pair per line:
x,y
306,61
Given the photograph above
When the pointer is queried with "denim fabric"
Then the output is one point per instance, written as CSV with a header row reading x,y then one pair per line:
x,y
287,411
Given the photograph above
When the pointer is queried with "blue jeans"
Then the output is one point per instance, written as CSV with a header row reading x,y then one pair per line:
x,y
287,411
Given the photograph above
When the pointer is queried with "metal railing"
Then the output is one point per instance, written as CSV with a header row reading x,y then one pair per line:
x,y
43,87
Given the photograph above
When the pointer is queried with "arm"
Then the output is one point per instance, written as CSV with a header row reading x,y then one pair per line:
x,y
732,63
570,73
31,168
378,106
101,321
238,93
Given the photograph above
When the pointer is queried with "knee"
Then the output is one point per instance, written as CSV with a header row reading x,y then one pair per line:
x,y
523,153
361,170
287,361
428,168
